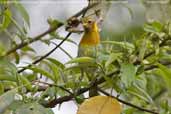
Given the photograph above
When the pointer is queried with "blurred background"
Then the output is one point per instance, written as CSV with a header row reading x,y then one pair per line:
x,y
123,21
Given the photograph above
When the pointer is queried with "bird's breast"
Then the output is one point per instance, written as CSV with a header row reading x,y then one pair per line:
x,y
90,38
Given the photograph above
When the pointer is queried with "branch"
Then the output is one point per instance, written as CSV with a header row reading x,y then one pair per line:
x,y
57,46
38,37
84,10
82,90
61,87
151,67
98,82
60,100
153,52
46,55
129,104
160,45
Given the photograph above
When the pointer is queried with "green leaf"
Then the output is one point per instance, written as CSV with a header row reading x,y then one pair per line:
x,y
128,111
112,58
6,99
169,28
20,107
30,77
54,23
153,27
6,19
2,49
109,81
9,84
79,99
26,82
28,48
54,69
142,93
82,60
128,72
166,75
157,26
8,71
3,1
143,48
1,88
165,108
49,92
56,62
22,11
141,81
17,57
41,71
76,68
135,93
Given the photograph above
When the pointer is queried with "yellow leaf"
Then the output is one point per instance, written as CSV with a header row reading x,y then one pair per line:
x,y
100,105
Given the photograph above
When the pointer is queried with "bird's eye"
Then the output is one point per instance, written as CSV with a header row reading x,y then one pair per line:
x,y
89,22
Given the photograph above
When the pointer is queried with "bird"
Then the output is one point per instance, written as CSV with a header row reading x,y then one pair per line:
x,y
90,39
88,48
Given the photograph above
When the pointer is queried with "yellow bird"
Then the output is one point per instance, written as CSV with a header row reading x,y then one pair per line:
x,y
90,39
88,47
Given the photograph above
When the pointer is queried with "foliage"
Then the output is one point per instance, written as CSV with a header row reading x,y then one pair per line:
x,y
138,71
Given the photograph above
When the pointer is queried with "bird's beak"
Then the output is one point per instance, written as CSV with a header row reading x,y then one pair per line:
x,y
85,25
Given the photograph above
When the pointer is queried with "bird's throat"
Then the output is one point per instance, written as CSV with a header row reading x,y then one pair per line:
x,y
90,38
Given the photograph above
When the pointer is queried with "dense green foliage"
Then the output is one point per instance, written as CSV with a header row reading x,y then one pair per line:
x,y
137,70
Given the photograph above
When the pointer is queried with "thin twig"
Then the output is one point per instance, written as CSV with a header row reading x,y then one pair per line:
x,y
38,37
153,52
60,100
63,50
83,90
84,10
46,55
160,45
61,87
57,46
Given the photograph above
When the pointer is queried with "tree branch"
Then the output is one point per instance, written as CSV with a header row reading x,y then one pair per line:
x,y
57,46
82,90
160,45
60,100
46,55
50,30
153,52
84,10
99,81
38,37
61,87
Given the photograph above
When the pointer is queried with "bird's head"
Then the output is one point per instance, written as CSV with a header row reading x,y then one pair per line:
x,y
90,25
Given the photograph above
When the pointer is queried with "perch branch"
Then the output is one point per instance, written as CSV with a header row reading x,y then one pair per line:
x,y
57,46
50,30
